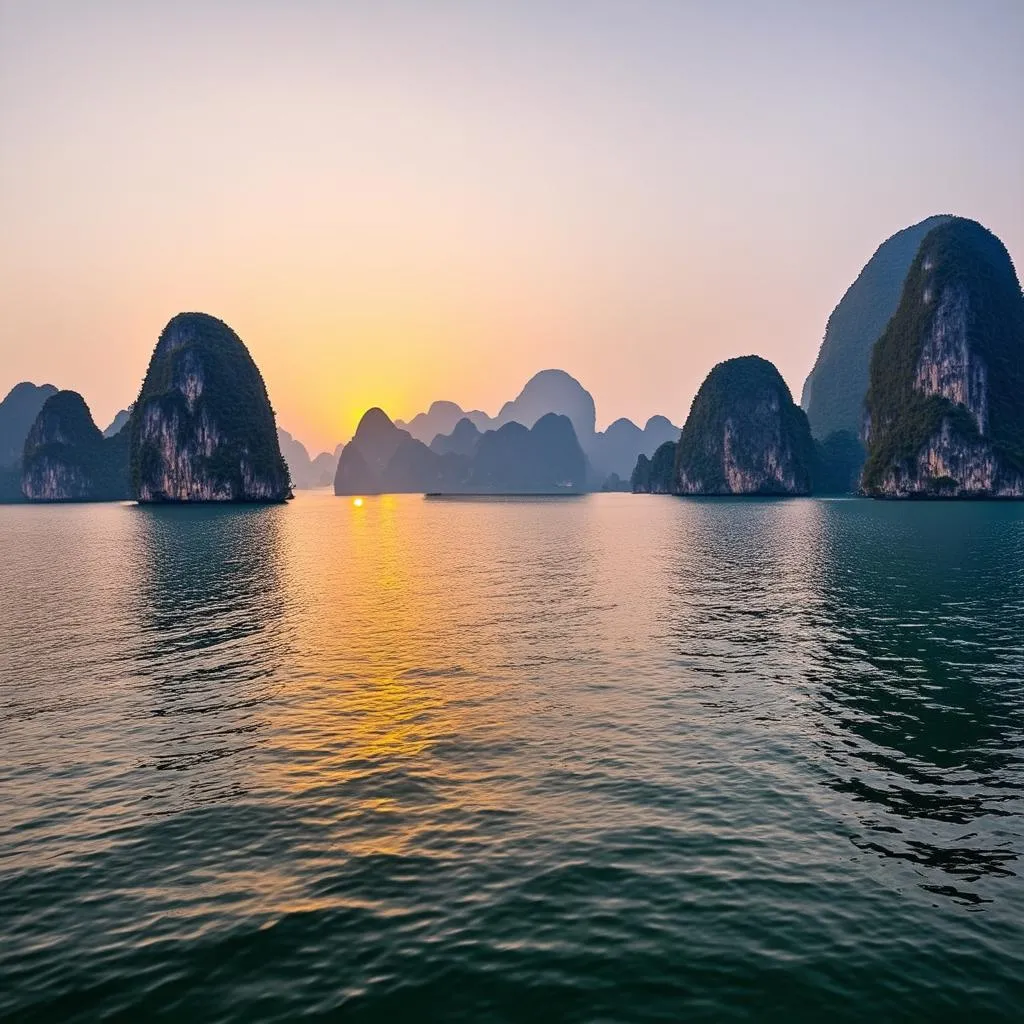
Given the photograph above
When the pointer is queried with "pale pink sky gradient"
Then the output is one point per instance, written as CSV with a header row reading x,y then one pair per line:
x,y
396,202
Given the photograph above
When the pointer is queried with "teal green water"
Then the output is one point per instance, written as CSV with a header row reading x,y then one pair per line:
x,y
608,759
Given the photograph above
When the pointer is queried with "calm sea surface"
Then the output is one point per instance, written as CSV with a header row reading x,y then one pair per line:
x,y
596,759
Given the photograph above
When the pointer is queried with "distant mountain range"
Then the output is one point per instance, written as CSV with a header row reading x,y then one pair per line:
x,y
916,392
445,428
513,459
306,472
614,450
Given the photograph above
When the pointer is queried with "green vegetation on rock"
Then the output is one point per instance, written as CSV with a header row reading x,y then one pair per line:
x,y
951,360
655,475
744,435
67,458
834,391
202,428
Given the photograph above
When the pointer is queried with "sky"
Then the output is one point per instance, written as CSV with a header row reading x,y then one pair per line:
x,y
395,202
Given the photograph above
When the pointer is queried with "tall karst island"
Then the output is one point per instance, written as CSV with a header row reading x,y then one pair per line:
x,y
744,436
833,394
202,428
944,411
67,458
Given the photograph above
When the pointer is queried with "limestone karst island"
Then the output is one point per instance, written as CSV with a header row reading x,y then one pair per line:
x,y
915,394
511,512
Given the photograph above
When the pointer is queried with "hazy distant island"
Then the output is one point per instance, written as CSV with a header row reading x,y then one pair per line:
x,y
118,423
307,472
610,453
383,458
18,411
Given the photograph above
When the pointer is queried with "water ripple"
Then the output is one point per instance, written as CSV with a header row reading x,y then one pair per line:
x,y
611,759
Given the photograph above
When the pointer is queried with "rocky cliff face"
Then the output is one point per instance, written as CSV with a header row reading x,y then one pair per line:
x,y
202,428
945,413
66,458
655,475
950,465
833,395
947,367
744,435
54,479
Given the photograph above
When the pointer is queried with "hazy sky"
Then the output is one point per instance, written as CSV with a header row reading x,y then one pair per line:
x,y
393,202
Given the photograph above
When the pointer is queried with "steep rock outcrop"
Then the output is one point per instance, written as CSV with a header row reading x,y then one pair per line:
x,y
833,394
382,458
655,475
945,415
363,462
67,458
353,475
202,428
744,435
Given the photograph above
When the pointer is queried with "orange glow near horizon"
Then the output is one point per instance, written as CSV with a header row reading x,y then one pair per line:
x,y
393,204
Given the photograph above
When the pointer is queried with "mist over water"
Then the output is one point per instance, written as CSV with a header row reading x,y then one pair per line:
x,y
605,758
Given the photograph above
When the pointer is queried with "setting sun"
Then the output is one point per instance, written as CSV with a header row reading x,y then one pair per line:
x,y
674,668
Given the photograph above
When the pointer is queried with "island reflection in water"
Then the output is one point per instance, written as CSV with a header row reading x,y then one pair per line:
x,y
570,757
